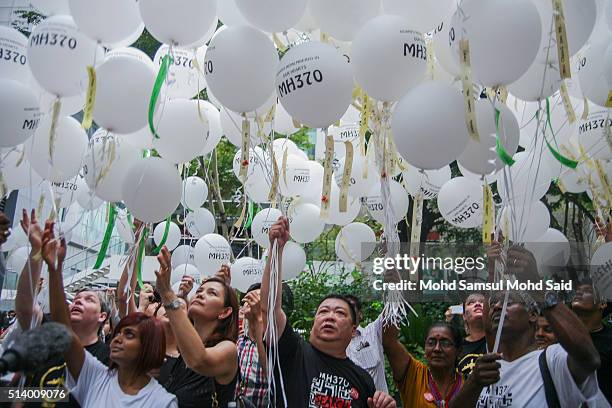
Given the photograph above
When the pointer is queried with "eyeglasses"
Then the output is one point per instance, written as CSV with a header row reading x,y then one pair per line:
x,y
444,343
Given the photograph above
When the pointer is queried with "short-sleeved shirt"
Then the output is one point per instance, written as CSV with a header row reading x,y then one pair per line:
x,y
603,343
366,350
414,386
470,351
315,379
97,386
521,384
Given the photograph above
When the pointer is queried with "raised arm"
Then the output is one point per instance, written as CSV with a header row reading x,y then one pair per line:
x,y
583,358
126,301
26,308
220,361
252,314
279,232
54,252
399,358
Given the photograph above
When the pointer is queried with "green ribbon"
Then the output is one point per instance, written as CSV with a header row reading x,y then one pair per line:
x,y
572,164
107,236
504,156
249,220
159,82
141,247
164,238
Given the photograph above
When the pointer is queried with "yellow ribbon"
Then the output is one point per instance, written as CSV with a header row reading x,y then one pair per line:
x,y
468,90
90,99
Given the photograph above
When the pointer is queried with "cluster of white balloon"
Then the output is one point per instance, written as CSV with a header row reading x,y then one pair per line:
x,y
404,55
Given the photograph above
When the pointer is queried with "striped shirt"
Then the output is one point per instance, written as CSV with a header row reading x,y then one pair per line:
x,y
252,382
366,350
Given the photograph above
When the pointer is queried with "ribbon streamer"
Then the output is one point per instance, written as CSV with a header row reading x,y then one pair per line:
x,y
567,103
488,214
112,213
159,82
562,45
504,156
417,219
346,176
560,158
158,248
468,90
90,99
244,155
327,174
141,248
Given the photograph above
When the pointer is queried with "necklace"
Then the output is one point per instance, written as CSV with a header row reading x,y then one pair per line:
x,y
441,399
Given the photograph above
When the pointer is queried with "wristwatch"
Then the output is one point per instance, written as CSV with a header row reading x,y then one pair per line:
x,y
174,305
551,299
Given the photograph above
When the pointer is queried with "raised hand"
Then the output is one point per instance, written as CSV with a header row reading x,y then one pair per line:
x,y
185,287
486,370
280,232
53,250
225,274
162,284
32,229
253,310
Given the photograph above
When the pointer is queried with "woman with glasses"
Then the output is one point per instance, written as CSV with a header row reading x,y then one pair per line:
x,y
429,385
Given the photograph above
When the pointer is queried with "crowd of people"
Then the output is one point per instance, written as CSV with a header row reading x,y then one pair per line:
x,y
213,349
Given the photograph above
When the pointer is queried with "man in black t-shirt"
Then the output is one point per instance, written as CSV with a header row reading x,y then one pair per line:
x,y
317,373
591,310
475,344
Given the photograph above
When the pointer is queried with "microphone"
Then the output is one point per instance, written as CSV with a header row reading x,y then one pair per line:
x,y
33,349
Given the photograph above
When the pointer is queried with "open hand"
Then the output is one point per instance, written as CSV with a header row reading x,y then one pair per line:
x,y
162,283
53,250
186,286
32,229
253,310
225,274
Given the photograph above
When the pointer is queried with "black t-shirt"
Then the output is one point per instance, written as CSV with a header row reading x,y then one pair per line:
x,y
192,389
315,379
470,351
603,343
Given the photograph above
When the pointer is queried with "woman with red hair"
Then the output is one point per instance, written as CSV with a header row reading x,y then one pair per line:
x,y
138,346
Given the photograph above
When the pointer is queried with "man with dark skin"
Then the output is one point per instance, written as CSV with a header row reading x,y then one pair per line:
x,y
512,376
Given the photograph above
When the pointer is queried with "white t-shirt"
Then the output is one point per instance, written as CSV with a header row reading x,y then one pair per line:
x,y
97,386
521,384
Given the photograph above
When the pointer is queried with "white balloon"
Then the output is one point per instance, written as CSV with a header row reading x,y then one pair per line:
x,y
421,125
123,93
184,80
215,132
51,7
85,197
272,15
480,156
230,15
293,260
592,133
422,15
206,38
69,106
179,23
185,269
428,182
195,192
211,251
108,21
525,224
608,66
550,249
19,113
131,52
182,133
64,193
388,57
518,33
305,223
152,189
14,61
398,199
106,164
16,169
343,18
245,272
173,238
17,239
130,39
530,182
239,66
183,254
200,222
335,215
257,158
359,183
260,227
17,259
283,122
460,202
69,146
351,116
442,49
314,84
573,181
59,54
601,263
355,242
591,72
